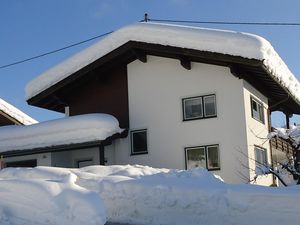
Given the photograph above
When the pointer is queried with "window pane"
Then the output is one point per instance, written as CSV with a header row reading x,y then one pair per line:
x,y
139,141
210,105
261,113
257,110
260,156
213,160
193,108
195,157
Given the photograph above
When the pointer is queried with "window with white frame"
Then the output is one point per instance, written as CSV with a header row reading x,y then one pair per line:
x,y
199,107
203,156
260,156
257,110
139,142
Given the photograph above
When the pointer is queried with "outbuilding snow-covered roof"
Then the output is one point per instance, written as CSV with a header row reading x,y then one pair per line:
x,y
64,131
15,113
217,41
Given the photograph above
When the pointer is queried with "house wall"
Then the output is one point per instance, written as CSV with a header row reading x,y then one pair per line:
x,y
155,92
105,93
70,158
43,159
256,131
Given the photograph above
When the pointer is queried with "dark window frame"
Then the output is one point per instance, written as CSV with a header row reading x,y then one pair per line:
x,y
259,104
131,142
22,163
206,155
203,107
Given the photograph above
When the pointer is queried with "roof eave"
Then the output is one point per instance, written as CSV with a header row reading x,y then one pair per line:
x,y
51,99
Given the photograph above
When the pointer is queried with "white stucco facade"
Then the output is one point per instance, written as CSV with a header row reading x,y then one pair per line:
x,y
155,93
156,90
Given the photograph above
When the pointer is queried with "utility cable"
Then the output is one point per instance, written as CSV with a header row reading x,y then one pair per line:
x,y
54,51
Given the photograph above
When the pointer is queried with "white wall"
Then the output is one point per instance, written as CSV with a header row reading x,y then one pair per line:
x,y
256,131
156,89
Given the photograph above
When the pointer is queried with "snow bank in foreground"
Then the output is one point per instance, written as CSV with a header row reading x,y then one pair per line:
x,y
145,195
69,130
16,113
44,201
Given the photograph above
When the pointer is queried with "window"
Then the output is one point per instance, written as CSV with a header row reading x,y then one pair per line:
x,y
199,107
84,163
260,156
203,156
139,142
257,110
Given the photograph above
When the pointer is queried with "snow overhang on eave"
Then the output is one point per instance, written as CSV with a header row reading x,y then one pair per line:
x,y
61,134
252,70
220,47
66,147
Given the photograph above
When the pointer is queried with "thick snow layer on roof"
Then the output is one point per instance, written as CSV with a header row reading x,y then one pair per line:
x,y
43,201
69,130
15,113
150,196
218,41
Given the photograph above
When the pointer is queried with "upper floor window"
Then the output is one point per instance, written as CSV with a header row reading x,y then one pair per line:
x,y
199,107
203,156
257,110
138,142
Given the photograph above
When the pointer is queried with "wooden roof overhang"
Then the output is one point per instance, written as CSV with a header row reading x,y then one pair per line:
x,y
6,119
251,70
66,147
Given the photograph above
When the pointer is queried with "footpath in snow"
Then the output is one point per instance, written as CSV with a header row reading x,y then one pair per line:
x,y
138,195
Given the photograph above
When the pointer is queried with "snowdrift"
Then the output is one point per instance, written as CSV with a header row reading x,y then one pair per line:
x,y
145,195
46,200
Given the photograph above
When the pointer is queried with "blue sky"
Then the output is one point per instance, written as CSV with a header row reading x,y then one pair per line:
x,y
32,27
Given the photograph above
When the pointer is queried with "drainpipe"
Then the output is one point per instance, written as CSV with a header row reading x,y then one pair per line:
x,y
270,145
101,155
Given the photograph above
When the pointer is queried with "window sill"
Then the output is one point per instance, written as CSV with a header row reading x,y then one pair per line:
x,y
262,122
139,153
214,169
202,118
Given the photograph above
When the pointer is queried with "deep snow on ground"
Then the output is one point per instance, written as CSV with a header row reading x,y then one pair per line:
x,y
47,200
145,195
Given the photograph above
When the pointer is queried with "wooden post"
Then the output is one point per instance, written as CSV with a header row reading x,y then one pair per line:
x,y
287,120
270,144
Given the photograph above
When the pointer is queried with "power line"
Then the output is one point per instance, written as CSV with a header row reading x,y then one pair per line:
x,y
223,22
54,51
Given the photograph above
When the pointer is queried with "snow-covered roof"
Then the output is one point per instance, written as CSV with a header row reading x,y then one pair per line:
x,y
64,131
15,113
218,41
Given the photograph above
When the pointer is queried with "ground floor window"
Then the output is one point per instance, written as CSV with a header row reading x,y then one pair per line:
x,y
23,163
84,162
139,142
203,156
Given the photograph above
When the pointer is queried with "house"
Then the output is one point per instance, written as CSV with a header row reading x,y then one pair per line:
x,y
10,115
184,97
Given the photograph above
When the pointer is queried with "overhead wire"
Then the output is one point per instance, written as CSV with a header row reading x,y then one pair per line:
x,y
147,19
54,51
